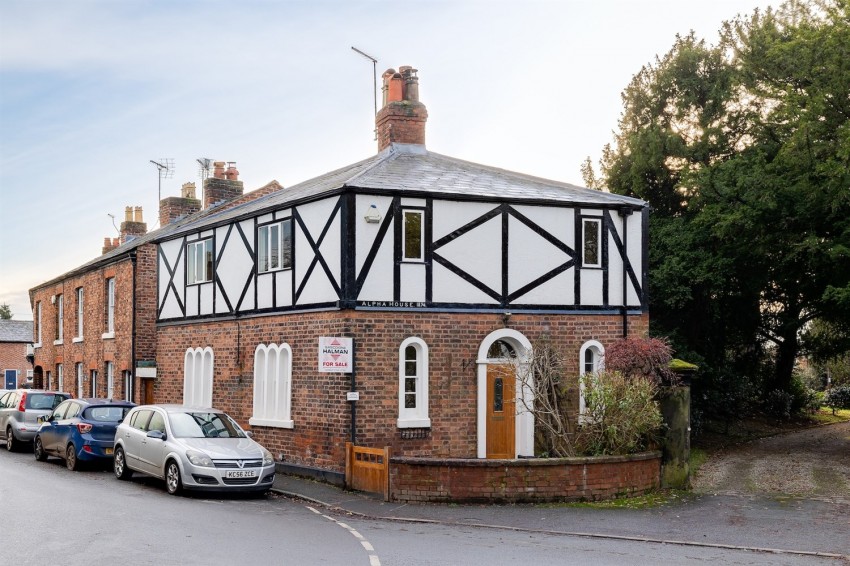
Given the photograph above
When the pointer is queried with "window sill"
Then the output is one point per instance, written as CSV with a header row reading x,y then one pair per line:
x,y
271,422
37,345
57,342
77,340
108,335
414,423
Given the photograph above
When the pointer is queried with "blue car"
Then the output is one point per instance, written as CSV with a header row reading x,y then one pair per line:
x,y
80,430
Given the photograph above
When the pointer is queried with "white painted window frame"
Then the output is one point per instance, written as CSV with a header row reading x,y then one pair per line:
x,y
60,316
584,223
80,296
598,364
272,393
198,366
128,386
60,377
421,213
416,417
264,244
110,308
79,380
110,380
196,271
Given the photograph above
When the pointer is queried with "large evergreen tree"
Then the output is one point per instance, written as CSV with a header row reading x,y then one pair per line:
x,y
742,150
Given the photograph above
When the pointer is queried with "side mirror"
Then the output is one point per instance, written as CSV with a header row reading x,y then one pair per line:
x,y
158,434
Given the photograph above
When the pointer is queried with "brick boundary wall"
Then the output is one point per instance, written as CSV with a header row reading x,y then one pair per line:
x,y
443,480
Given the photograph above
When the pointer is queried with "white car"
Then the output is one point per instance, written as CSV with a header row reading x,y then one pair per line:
x,y
191,448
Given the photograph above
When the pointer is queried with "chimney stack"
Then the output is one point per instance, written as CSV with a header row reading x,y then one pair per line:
x,y
133,225
108,245
172,208
224,185
402,117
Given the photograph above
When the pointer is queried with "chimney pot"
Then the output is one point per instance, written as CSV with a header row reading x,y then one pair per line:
x,y
137,214
128,214
188,190
218,170
232,174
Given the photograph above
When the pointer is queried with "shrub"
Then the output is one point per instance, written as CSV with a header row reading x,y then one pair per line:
x,y
645,357
838,398
622,415
779,404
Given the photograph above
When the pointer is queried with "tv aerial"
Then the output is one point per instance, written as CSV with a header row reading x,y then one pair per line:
x,y
204,164
165,168
374,80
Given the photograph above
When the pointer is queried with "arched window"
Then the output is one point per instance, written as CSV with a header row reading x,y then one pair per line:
x,y
590,361
413,384
198,377
272,386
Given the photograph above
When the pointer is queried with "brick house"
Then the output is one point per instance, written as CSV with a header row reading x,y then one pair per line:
x,y
423,272
15,344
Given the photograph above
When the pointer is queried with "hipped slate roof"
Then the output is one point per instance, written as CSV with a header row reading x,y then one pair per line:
x,y
16,331
399,168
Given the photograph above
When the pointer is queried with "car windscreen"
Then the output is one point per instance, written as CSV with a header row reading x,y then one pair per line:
x,y
106,414
204,425
46,401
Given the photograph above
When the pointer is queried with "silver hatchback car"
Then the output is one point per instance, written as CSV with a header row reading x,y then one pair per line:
x,y
191,448
19,413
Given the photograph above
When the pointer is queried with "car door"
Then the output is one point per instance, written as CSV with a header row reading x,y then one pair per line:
x,y
133,435
64,427
8,403
48,430
152,455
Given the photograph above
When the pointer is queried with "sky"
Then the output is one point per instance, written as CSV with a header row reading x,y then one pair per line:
x,y
92,90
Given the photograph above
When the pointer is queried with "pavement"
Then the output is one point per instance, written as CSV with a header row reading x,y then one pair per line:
x,y
781,525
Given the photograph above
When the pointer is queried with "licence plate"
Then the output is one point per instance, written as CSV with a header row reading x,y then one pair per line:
x,y
108,450
240,474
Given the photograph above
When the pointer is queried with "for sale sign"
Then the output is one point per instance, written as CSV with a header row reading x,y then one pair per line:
x,y
336,354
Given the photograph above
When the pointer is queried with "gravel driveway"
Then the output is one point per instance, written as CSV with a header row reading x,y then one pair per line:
x,y
812,463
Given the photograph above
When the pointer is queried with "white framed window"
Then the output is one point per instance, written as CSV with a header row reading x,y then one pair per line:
x,y
110,380
198,377
199,262
60,377
60,315
110,308
412,245
129,384
590,362
79,380
413,384
93,383
274,246
272,386
591,230
79,336
49,382
37,325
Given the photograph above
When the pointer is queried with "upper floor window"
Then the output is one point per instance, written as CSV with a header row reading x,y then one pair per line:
x,y
592,237
198,377
413,384
80,311
110,305
272,386
412,241
199,262
274,246
38,323
60,315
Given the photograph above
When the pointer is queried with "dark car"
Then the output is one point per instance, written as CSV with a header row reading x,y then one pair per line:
x,y
80,430
19,412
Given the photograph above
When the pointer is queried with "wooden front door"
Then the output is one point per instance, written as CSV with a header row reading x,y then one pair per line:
x,y
501,411
147,392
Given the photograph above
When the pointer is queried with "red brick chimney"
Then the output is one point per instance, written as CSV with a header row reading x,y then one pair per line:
x,y
110,244
172,208
402,117
224,185
133,225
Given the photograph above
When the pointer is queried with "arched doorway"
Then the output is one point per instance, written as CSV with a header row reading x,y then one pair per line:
x,y
505,428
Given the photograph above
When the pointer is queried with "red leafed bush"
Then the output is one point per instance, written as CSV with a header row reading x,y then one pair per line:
x,y
646,357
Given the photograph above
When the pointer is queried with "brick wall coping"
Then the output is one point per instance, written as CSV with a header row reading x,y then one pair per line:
x,y
524,462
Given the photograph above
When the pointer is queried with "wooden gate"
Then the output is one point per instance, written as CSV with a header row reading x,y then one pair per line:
x,y
368,469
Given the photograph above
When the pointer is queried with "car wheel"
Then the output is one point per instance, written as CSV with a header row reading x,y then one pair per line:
x,y
38,450
71,458
119,465
172,478
11,443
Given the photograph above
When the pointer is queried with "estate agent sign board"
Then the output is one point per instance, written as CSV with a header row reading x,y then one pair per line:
x,y
336,354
